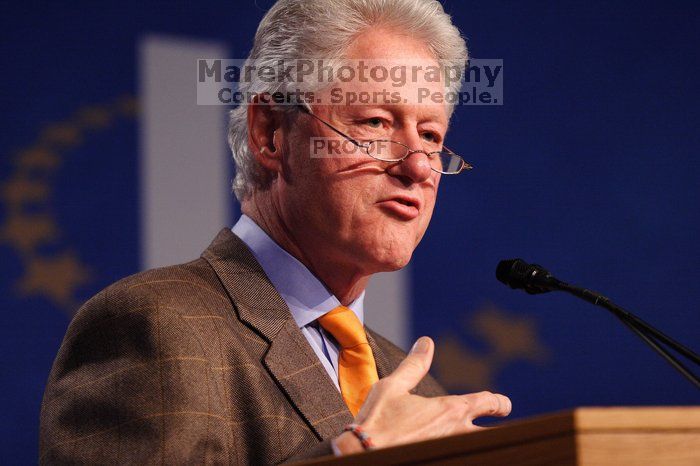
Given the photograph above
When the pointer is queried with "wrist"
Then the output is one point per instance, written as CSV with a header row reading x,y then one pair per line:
x,y
347,444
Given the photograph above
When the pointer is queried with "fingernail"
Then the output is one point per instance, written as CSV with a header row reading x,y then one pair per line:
x,y
421,345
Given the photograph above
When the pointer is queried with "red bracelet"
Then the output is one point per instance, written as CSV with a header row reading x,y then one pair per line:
x,y
361,435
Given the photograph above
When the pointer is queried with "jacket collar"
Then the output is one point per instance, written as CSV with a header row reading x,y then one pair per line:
x,y
305,295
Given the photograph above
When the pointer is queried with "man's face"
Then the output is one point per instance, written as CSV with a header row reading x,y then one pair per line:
x,y
352,209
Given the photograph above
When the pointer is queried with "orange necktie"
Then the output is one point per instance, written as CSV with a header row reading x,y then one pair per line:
x,y
357,371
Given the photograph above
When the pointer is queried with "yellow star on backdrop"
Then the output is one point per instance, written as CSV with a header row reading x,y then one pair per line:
x,y
63,134
38,158
20,189
510,336
56,277
26,232
95,117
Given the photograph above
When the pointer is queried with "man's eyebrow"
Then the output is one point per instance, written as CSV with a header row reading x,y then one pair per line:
x,y
398,112
436,118
431,114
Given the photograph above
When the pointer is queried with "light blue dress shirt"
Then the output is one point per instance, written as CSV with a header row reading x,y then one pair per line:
x,y
305,295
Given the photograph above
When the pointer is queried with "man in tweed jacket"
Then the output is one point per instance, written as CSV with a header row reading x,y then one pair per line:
x,y
207,362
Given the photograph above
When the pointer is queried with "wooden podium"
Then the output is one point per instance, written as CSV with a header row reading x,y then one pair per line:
x,y
660,436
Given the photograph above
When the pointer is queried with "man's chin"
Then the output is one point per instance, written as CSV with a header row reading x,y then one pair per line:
x,y
393,262
382,255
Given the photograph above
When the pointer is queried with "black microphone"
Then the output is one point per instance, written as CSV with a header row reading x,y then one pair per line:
x,y
535,279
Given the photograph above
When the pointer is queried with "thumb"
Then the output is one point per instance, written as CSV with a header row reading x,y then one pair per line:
x,y
415,366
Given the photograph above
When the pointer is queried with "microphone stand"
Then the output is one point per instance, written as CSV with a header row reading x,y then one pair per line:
x,y
651,336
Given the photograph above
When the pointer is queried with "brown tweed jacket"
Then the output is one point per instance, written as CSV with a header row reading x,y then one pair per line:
x,y
194,364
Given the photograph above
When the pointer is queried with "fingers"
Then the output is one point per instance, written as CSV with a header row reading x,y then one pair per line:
x,y
486,404
415,366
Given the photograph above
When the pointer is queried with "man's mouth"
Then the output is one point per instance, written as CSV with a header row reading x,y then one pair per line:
x,y
404,207
407,200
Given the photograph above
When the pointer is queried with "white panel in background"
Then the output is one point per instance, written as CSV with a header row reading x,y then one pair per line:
x,y
185,194
388,304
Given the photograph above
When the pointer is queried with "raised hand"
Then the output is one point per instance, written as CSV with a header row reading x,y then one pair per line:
x,y
391,415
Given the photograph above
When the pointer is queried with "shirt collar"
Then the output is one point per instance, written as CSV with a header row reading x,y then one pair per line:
x,y
305,295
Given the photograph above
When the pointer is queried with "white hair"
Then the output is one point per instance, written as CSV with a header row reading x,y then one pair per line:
x,y
299,29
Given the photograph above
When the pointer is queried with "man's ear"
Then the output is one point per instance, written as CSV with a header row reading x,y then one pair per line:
x,y
263,121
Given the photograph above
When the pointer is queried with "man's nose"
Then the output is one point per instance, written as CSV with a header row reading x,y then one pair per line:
x,y
416,166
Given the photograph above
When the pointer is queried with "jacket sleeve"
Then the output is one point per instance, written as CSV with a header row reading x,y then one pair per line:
x,y
322,449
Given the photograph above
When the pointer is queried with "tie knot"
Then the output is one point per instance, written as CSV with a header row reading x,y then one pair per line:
x,y
345,327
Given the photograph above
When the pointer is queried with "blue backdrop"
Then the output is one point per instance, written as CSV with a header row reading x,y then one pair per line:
x,y
590,168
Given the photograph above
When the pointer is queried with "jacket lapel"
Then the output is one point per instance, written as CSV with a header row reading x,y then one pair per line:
x,y
385,366
290,360
295,366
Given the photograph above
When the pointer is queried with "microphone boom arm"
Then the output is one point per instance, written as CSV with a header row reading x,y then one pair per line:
x,y
642,329
600,300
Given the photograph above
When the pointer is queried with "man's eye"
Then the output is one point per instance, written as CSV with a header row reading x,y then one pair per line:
x,y
374,122
432,137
